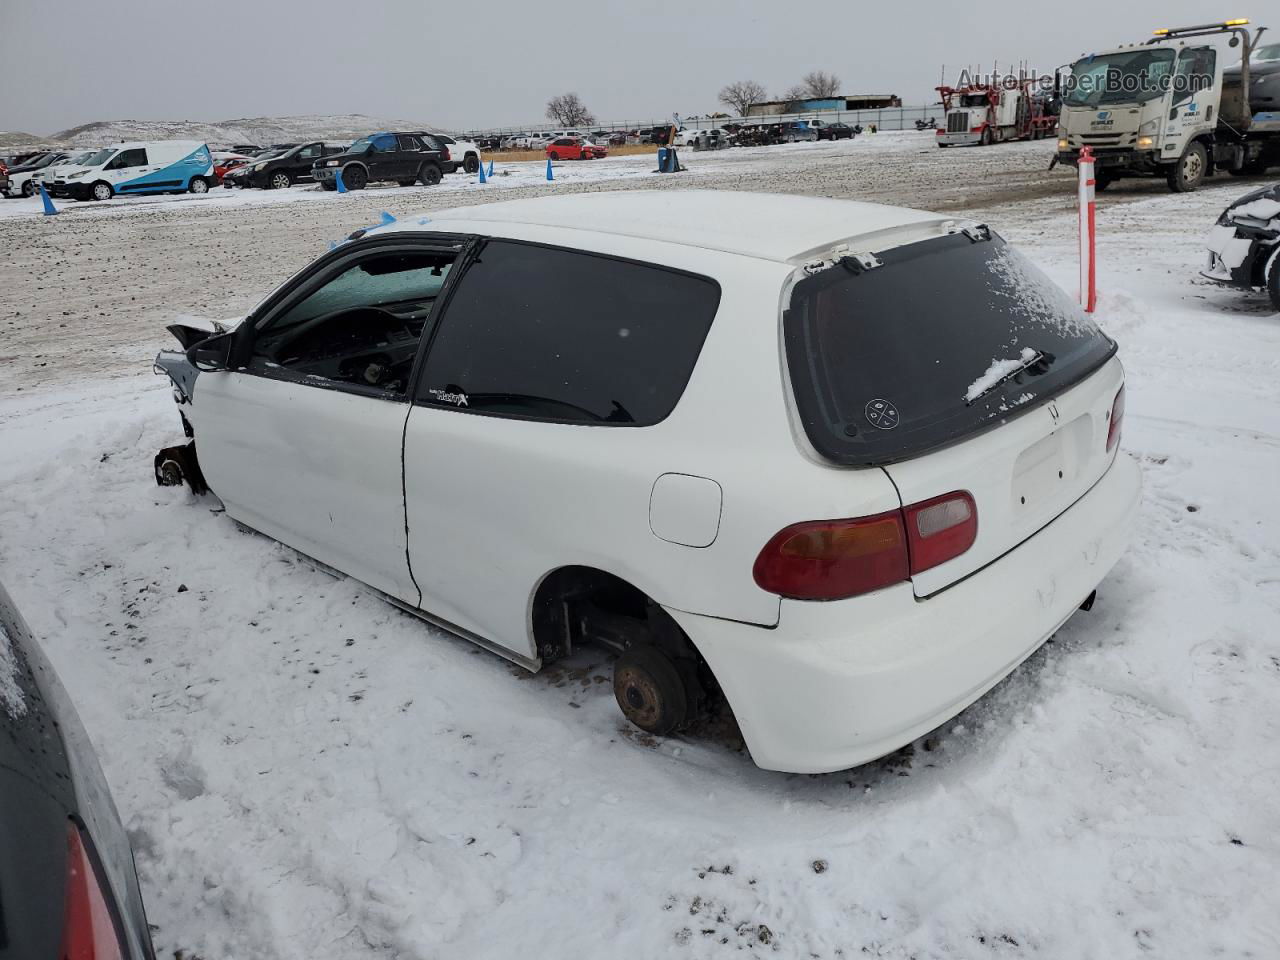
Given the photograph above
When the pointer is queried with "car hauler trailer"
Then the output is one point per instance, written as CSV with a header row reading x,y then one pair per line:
x,y
1165,108
985,113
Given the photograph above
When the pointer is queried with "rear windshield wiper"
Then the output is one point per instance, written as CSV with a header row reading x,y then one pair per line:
x,y
1001,371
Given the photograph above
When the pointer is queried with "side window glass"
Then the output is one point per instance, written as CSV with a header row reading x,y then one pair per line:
x,y
513,344
360,327
1195,72
128,158
307,153
384,144
409,143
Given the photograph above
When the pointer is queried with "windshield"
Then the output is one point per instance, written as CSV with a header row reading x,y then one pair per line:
x,y
1269,52
952,335
973,100
1132,76
80,158
99,158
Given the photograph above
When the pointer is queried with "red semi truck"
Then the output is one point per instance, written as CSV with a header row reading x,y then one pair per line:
x,y
984,113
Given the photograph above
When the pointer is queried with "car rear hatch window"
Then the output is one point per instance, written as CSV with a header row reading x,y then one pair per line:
x,y
957,367
945,338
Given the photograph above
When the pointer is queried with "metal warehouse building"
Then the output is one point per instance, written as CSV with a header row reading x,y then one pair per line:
x,y
863,101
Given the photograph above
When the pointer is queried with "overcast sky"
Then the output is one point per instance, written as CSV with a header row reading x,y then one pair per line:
x,y
479,63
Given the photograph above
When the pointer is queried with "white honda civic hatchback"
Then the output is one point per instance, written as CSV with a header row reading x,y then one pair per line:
x,y
845,465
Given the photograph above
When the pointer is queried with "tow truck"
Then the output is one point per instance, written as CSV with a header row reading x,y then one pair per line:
x,y
987,113
1164,108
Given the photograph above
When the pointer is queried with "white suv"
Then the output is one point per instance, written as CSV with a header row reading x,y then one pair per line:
x,y
841,465
463,154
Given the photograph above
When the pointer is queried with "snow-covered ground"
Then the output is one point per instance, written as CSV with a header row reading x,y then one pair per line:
x,y
307,772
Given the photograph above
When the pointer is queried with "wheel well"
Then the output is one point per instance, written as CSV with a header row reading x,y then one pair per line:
x,y
578,603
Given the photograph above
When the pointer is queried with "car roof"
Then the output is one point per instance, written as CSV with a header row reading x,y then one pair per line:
x,y
762,225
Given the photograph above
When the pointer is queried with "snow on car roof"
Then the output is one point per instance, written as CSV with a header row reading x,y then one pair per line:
x,y
763,225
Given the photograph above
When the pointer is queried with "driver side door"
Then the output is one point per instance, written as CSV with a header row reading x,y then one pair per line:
x,y
302,441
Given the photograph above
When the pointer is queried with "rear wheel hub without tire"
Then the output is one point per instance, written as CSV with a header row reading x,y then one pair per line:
x,y
649,690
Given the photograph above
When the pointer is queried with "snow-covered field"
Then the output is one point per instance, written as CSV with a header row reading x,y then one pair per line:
x,y
307,772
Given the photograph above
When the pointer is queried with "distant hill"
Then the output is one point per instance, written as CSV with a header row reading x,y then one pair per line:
x,y
260,130
18,140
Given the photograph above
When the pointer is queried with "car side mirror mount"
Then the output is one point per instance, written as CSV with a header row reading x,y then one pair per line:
x,y
212,354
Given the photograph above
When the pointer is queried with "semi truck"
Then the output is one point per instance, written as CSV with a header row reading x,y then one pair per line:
x,y
1168,108
985,113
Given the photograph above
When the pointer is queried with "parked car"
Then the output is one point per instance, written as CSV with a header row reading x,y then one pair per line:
x,y
798,132
851,553
283,168
1244,246
62,168
405,158
835,131
22,178
464,155
157,166
574,148
68,887
225,163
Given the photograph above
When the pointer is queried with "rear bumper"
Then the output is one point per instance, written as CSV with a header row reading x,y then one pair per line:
x,y
838,684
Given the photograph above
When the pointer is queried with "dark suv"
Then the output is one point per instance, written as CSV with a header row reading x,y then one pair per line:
x,y
406,158
292,166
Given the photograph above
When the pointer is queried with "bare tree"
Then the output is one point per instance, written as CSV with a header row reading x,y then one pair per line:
x,y
741,94
792,98
568,110
819,84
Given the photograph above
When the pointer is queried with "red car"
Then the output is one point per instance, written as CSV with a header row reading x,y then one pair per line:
x,y
224,165
574,148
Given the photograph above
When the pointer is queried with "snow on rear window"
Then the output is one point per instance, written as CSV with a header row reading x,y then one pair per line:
x,y
11,700
1034,302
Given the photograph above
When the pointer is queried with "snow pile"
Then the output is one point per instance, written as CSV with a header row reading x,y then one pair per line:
x,y
998,370
11,700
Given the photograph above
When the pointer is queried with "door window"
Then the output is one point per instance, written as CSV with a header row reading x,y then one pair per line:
x,y
308,153
137,157
384,144
568,337
360,327
1196,67
410,143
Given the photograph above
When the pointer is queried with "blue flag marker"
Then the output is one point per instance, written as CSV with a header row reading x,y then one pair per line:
x,y
337,178
483,178
550,176
49,208
491,168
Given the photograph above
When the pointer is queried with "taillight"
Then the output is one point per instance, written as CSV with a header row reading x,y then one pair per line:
x,y
837,559
1117,419
834,559
444,151
940,529
88,932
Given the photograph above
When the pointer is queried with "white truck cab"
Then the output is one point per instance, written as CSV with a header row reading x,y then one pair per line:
x,y
1163,108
